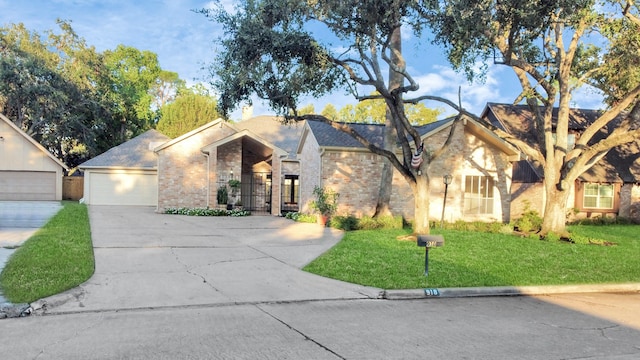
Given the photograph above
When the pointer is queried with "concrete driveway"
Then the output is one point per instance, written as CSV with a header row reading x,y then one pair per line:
x,y
150,260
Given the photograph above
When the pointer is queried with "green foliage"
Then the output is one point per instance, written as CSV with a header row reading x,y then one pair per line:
x,y
326,202
530,221
207,212
374,111
56,258
350,222
300,217
73,100
222,195
346,223
187,112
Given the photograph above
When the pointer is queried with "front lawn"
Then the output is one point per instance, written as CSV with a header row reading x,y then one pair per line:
x,y
468,259
56,258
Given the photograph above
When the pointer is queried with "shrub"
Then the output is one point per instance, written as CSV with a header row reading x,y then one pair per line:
x,y
346,223
326,202
206,212
301,217
222,195
529,222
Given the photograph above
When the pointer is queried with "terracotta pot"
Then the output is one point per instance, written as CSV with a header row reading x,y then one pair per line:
x,y
323,219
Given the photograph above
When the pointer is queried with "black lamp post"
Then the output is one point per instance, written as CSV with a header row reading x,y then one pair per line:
x,y
447,180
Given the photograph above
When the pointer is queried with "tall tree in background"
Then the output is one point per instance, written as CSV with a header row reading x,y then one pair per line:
x,y
552,47
269,51
190,110
46,89
70,98
131,74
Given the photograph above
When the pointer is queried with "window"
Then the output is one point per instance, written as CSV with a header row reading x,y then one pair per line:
x,y
290,191
478,195
598,196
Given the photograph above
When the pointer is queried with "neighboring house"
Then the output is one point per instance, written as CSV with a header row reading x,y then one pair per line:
x,y
610,187
125,174
259,152
479,162
27,170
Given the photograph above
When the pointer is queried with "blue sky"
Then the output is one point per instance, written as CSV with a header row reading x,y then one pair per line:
x,y
183,41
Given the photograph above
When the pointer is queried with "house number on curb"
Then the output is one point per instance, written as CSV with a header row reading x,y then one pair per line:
x,y
429,241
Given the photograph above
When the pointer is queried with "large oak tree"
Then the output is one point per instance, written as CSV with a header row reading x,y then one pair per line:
x,y
273,49
553,47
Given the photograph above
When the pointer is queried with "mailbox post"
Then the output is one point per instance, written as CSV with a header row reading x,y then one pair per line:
x,y
429,241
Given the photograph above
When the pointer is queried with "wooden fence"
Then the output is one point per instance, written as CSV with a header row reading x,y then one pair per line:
x,y
72,187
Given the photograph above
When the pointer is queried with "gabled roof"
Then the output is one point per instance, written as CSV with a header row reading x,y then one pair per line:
x,y
245,134
194,132
136,153
329,137
272,129
32,141
621,164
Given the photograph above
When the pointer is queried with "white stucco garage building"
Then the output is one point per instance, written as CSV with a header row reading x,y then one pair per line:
x,y
28,172
125,174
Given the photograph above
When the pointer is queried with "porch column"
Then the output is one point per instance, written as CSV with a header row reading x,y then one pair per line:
x,y
276,185
212,177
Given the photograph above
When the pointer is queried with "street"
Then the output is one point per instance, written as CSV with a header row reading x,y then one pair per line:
x,y
461,328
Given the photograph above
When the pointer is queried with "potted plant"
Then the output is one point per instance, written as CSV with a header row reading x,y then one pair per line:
x,y
326,203
235,187
222,195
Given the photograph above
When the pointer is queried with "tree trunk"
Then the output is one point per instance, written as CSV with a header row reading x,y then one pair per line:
x,y
555,212
390,135
421,195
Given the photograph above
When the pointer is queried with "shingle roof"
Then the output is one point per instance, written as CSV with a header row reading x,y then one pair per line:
x,y
135,153
328,136
621,164
271,128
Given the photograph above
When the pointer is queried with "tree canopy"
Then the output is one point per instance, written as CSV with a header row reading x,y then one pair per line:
x,y
270,50
190,110
554,47
75,101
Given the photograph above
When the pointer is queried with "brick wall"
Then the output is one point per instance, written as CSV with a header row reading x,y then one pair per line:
x,y
630,202
182,170
355,175
310,168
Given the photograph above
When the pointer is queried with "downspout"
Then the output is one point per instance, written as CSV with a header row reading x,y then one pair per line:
x,y
322,151
206,155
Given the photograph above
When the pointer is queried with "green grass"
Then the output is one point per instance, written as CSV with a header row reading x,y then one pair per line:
x,y
378,259
56,258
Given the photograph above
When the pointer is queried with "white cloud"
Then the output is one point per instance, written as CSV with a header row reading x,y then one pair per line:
x,y
444,82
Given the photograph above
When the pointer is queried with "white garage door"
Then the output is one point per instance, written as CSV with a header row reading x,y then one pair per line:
x,y
122,188
27,185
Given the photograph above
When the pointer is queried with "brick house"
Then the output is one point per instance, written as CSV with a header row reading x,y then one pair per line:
x,y
610,188
479,162
257,152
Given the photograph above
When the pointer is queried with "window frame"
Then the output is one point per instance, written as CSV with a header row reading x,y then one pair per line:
x,y
486,200
580,197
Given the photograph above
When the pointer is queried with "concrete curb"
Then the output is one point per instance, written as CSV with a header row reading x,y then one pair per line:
x,y
508,291
39,307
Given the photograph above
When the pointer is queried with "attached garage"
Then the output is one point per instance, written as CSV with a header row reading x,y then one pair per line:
x,y
28,172
126,174
28,185
121,187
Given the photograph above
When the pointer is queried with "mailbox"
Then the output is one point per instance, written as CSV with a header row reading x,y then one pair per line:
x,y
430,241
427,242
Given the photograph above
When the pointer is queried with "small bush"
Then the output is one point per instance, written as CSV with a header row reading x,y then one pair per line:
x,y
346,223
529,222
207,212
301,217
